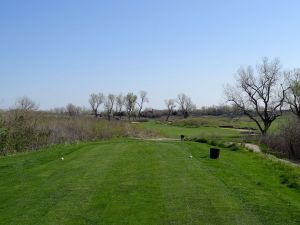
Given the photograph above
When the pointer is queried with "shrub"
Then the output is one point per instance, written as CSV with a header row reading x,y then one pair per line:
x,y
25,131
286,142
201,140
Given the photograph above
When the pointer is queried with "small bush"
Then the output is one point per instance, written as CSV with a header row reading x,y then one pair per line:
x,y
213,142
201,140
234,148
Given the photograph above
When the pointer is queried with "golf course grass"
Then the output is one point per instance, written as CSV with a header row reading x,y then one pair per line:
x,y
215,133
125,181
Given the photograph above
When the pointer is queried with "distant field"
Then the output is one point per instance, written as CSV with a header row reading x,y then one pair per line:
x,y
146,182
172,131
210,127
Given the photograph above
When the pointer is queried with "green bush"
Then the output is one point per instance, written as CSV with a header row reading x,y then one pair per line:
x,y
201,140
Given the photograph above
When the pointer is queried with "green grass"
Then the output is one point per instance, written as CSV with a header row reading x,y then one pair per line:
x,y
146,182
173,131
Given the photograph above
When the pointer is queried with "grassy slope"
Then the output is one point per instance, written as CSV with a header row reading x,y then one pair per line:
x,y
144,182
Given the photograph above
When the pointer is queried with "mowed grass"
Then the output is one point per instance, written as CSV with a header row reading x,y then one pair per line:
x,y
145,182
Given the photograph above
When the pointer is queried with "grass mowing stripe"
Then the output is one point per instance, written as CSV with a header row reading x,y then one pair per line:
x,y
145,182
133,190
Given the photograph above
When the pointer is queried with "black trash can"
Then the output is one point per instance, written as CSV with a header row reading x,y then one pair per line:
x,y
214,153
182,137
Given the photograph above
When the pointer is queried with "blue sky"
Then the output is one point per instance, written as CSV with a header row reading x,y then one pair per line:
x,y
57,51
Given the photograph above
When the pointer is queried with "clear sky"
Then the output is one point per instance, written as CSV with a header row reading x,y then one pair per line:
x,y
57,51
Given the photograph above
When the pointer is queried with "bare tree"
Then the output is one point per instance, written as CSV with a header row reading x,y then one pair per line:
x,y
95,101
292,79
260,96
185,104
25,109
143,100
109,105
130,102
120,101
170,103
72,110
26,104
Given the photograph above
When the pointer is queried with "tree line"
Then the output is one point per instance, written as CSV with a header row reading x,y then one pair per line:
x,y
129,105
133,105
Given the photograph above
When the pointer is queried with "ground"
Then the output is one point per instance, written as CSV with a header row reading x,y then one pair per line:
x,y
125,181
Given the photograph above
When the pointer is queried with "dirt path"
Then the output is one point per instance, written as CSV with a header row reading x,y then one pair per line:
x,y
256,148
252,147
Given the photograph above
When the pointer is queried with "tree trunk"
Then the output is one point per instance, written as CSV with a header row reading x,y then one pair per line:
x,y
168,116
185,114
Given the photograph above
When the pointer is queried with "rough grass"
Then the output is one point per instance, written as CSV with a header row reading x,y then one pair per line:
x,y
146,182
216,121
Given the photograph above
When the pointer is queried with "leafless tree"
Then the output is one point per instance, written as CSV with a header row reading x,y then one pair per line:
x,y
25,109
26,104
130,102
95,101
72,110
170,103
143,100
109,105
120,101
185,104
292,79
259,96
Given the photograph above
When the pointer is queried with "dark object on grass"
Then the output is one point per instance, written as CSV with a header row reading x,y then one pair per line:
x,y
214,153
182,137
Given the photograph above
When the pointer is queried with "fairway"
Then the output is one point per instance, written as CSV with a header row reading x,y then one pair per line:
x,y
139,182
